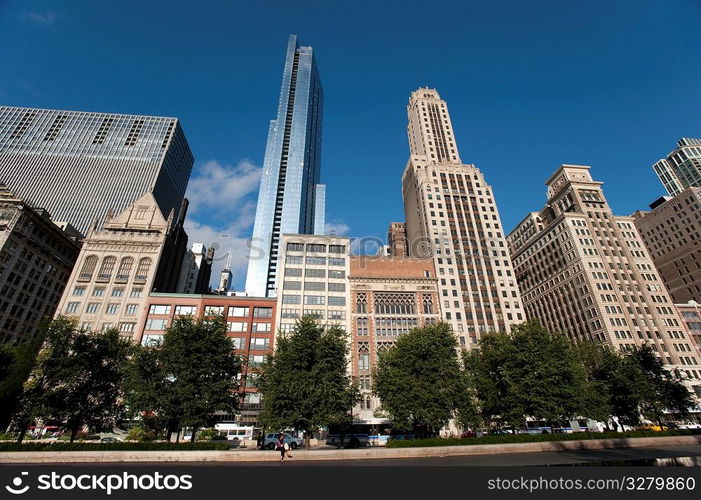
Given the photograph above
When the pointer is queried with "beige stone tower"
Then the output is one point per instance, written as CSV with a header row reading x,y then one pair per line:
x,y
584,271
451,215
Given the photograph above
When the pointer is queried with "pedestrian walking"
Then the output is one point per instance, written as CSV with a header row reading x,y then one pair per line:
x,y
280,446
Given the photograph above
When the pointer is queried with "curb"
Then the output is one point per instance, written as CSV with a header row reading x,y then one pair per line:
x,y
63,457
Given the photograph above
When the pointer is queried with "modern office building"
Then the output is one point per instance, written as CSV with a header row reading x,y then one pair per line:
x,y
36,259
137,252
671,231
451,216
79,165
250,325
682,167
196,270
389,296
290,199
584,271
313,280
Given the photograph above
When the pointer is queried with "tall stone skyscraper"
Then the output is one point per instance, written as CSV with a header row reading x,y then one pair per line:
x,y
682,167
290,199
79,165
452,216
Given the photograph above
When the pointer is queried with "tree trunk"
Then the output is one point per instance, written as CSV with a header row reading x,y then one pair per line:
x,y
74,432
307,441
22,433
192,438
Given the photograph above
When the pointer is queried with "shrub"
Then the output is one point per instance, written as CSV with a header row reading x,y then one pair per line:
x,y
207,435
142,446
531,438
139,434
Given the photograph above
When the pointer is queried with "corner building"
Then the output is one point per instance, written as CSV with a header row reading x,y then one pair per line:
x,y
452,217
585,272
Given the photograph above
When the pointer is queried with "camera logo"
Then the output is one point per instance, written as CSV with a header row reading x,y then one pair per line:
x,y
17,483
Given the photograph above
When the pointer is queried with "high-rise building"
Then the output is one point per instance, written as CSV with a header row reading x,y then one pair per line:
x,y
682,167
584,271
196,270
671,232
290,199
389,296
451,216
396,240
313,280
36,259
78,165
137,252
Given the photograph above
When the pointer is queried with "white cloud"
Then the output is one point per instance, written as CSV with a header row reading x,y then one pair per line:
x,y
338,229
221,213
45,18
216,186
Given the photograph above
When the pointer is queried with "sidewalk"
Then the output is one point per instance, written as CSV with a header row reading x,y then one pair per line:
x,y
252,455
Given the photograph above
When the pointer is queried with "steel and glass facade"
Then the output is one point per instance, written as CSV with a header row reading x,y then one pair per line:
x,y
682,167
290,199
79,165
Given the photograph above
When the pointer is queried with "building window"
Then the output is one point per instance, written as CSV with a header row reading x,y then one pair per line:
x,y
294,259
314,300
394,303
337,287
290,313
142,269
136,292
98,291
117,291
263,312
156,324
185,310
112,308
159,309
361,303
290,299
238,312
256,360
127,327
293,271
337,261
316,261
315,273
334,314
315,286
261,327
92,308
337,301
316,247
72,307
260,344
427,304
131,309
363,362
213,310
291,285
295,247
238,343
107,268
152,340
361,326
88,268
125,269
78,291
235,326
337,274
337,249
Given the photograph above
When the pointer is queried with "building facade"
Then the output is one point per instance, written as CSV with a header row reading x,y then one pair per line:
x,y
196,270
250,325
451,216
681,168
36,259
389,296
671,232
690,313
290,199
90,163
313,280
135,253
396,240
584,271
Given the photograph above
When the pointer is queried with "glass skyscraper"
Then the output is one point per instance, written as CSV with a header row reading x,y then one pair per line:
x,y
79,165
682,167
290,199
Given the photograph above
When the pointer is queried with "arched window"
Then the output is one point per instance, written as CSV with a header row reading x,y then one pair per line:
x,y
142,269
88,269
125,268
107,268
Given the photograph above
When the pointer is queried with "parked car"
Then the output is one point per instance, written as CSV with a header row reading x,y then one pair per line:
x,y
348,440
109,439
468,434
271,438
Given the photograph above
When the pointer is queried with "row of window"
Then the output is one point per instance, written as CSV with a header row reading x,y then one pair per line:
x,y
313,300
94,308
233,311
99,291
312,272
315,260
316,248
107,268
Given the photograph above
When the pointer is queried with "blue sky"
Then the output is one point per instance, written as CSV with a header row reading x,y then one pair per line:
x,y
529,85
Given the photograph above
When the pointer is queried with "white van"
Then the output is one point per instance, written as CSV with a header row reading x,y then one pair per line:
x,y
234,432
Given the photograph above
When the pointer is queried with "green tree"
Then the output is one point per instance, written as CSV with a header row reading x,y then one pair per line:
x,y
530,373
305,383
420,381
661,389
16,363
185,380
77,379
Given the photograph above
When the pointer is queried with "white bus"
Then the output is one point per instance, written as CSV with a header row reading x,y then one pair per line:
x,y
234,432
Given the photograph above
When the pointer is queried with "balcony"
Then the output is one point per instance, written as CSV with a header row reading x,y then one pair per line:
x,y
121,278
85,277
140,278
103,278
